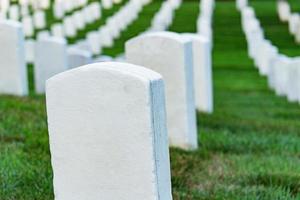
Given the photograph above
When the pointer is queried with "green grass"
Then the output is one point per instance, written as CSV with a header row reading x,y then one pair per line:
x,y
295,6
250,146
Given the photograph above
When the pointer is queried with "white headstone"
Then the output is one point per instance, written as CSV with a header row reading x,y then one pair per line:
x,y
103,58
45,4
13,71
50,59
284,10
29,50
42,35
78,57
281,75
39,19
58,9
25,10
84,45
104,149
57,30
294,23
88,18
78,20
94,41
69,27
28,26
14,13
293,80
202,72
107,4
106,39
170,55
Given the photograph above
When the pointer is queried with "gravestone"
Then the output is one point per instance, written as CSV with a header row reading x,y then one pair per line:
x,y
78,20
78,57
58,9
29,50
293,80
57,30
39,19
69,27
28,26
42,35
281,75
14,13
170,55
13,71
50,59
294,23
284,10
94,41
104,149
107,4
202,72
103,58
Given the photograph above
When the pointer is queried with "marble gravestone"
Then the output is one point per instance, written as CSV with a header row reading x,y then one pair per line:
x,y
50,59
293,80
202,72
78,57
170,55
104,149
13,71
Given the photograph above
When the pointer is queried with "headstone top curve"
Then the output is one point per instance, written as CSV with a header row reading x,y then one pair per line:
x,y
131,69
163,34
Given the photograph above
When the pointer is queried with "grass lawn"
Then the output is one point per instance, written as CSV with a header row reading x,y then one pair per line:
x,y
250,146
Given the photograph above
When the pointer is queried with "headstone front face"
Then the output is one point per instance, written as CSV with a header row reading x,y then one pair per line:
x,y
170,55
104,149
294,21
13,71
29,50
284,10
281,75
39,19
78,57
57,30
50,59
14,12
28,26
293,79
202,72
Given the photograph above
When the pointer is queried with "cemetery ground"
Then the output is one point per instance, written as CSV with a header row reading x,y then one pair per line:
x,y
249,146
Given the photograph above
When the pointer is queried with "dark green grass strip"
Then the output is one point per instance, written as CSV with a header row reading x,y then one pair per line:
x,y
295,6
276,31
138,26
30,75
187,14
